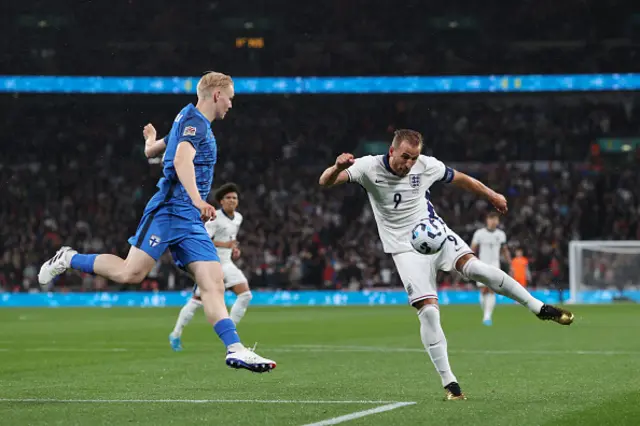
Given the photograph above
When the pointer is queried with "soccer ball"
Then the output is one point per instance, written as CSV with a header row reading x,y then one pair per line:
x,y
428,237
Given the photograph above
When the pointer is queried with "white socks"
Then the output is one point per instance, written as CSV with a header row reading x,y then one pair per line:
x,y
488,303
186,314
500,282
434,342
239,308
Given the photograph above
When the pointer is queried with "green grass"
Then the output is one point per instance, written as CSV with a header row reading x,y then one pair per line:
x,y
521,371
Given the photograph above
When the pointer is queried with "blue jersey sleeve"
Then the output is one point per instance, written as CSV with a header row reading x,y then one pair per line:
x,y
194,131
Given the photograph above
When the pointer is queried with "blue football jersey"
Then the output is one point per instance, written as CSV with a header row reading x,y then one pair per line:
x,y
193,127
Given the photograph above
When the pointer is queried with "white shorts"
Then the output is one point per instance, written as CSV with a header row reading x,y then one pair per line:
x,y
418,271
232,276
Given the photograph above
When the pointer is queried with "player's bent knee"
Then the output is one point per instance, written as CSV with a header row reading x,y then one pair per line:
x,y
424,302
134,277
480,271
238,289
460,263
245,297
130,276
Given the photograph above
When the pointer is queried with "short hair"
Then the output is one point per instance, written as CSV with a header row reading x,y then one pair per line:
x,y
212,80
492,214
412,137
225,189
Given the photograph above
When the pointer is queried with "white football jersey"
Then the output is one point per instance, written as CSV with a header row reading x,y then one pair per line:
x,y
399,202
489,243
224,228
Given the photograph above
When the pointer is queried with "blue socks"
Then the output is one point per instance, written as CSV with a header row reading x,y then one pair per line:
x,y
83,262
226,330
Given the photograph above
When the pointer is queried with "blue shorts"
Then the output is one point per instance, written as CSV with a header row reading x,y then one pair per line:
x,y
183,233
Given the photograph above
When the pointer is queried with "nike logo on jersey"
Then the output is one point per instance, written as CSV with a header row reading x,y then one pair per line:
x,y
379,181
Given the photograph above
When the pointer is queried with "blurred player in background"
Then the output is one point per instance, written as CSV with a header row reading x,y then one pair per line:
x,y
398,185
223,230
491,242
173,219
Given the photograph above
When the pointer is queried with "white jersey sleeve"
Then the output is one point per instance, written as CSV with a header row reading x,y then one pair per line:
x,y
438,171
361,169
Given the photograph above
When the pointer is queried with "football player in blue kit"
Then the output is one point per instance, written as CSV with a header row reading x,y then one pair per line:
x,y
174,219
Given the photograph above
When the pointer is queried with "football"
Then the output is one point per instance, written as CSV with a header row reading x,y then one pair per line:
x,y
428,237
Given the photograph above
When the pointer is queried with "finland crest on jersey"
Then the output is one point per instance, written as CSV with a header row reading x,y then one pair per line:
x,y
154,240
398,202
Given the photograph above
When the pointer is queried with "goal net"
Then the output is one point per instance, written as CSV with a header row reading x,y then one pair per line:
x,y
604,271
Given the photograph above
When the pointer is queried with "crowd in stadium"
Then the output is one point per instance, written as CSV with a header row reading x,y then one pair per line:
x,y
453,38
92,189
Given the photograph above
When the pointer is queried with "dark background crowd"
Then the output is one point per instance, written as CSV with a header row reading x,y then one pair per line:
x,y
335,37
73,172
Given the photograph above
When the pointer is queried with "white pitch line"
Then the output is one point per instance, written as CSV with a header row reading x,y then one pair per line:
x,y
54,349
358,414
328,348
339,349
195,401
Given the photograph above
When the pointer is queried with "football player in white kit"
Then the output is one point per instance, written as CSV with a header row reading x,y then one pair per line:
x,y
491,242
398,185
223,230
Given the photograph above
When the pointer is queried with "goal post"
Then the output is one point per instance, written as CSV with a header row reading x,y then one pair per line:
x,y
604,271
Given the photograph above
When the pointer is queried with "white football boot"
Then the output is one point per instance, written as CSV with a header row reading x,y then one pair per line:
x,y
249,360
56,265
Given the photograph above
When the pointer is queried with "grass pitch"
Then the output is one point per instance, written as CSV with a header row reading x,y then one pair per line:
x,y
351,365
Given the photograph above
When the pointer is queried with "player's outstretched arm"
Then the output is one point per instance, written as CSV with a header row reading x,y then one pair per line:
x,y
470,184
336,174
152,147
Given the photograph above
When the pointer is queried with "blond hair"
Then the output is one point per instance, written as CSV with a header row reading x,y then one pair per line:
x,y
212,80
412,137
